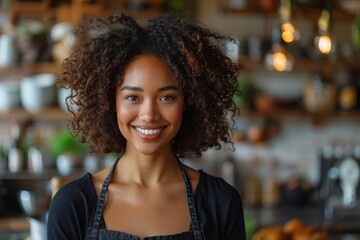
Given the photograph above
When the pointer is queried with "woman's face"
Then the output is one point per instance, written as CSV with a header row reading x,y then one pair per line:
x,y
149,105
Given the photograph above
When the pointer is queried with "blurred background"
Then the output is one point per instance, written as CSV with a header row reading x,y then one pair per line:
x,y
296,151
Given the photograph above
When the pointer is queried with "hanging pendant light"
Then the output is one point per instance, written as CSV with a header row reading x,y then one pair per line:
x,y
323,40
278,58
289,33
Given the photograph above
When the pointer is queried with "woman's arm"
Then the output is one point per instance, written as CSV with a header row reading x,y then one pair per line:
x,y
235,225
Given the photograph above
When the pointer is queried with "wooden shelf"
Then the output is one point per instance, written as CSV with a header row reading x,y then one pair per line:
x,y
40,68
308,65
337,14
13,225
48,114
144,14
45,175
28,69
297,112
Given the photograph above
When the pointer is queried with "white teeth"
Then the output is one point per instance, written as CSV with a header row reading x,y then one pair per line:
x,y
148,131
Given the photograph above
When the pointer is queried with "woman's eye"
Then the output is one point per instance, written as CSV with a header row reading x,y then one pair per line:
x,y
168,98
132,98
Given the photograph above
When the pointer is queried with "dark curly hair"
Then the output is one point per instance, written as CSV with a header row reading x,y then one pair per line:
x,y
105,45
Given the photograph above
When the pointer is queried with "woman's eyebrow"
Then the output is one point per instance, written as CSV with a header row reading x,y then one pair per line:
x,y
132,88
138,89
170,87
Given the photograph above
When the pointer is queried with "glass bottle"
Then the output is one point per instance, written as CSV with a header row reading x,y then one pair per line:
x,y
270,194
320,94
15,157
252,188
347,90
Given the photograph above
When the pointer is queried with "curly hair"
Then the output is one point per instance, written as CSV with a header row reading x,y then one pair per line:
x,y
105,45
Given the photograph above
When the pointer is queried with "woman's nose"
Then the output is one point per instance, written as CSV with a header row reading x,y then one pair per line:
x,y
149,111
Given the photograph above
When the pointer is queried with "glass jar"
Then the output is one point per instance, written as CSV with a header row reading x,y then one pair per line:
x,y
320,95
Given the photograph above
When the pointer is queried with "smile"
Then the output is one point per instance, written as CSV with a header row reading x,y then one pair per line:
x,y
148,131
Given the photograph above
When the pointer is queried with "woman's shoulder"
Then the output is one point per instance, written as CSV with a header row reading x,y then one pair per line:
x,y
72,209
220,208
215,187
81,187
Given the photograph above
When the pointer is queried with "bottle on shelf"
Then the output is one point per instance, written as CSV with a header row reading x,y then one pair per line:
x,y
270,194
347,90
35,156
252,188
15,154
320,94
228,168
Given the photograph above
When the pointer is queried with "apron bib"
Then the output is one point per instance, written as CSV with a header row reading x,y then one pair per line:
x,y
99,232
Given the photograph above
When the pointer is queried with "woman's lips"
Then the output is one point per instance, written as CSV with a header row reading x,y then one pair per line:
x,y
149,133
146,131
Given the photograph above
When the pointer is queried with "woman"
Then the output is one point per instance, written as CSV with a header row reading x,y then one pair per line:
x,y
152,93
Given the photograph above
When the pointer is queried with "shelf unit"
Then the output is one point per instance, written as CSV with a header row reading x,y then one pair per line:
x,y
307,64
73,11
310,65
312,14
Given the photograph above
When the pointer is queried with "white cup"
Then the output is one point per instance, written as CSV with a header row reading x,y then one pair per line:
x,y
38,91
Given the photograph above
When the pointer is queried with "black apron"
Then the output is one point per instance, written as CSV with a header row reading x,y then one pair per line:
x,y
99,232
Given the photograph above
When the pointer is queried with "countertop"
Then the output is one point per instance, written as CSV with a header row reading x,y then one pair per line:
x,y
311,215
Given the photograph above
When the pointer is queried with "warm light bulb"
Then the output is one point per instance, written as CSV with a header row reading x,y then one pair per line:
x,y
279,59
324,44
323,40
287,32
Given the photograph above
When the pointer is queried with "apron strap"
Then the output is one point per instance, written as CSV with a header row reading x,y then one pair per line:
x,y
198,233
100,205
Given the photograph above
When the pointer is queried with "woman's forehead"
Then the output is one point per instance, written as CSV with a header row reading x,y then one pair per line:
x,y
147,68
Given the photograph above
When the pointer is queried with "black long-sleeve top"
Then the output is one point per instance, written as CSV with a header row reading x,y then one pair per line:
x,y
218,205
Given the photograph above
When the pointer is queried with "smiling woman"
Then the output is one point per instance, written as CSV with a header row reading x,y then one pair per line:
x,y
145,92
149,105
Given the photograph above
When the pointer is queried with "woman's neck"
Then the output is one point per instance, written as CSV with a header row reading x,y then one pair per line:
x,y
147,170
